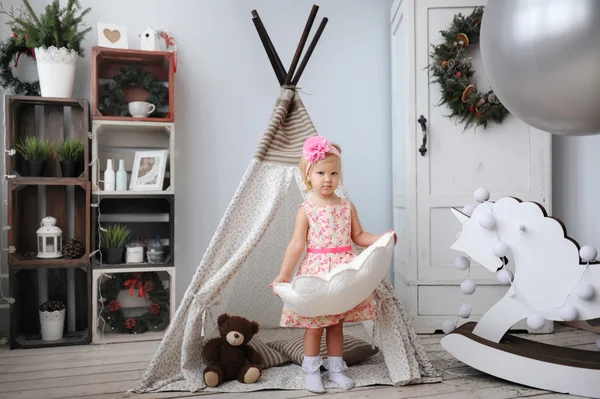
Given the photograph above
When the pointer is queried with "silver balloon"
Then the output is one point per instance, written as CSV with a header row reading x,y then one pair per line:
x,y
542,59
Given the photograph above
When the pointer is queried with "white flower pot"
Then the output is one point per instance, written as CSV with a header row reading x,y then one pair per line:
x,y
56,71
133,305
52,324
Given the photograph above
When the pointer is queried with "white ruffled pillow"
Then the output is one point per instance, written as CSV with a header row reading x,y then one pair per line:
x,y
343,288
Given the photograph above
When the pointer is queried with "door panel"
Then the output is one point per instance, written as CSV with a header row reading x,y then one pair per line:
x,y
508,159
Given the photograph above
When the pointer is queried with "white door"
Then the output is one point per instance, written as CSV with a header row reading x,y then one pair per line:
x,y
510,159
403,94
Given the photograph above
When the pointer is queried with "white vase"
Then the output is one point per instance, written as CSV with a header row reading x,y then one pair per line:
x,y
56,71
109,176
52,325
121,176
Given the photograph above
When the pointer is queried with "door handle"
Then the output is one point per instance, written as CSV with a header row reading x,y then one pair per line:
x,y
423,122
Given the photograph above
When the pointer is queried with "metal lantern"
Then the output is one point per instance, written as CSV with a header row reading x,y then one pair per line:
x,y
49,238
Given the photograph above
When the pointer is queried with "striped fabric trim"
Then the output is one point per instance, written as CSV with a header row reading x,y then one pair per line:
x,y
289,126
271,357
355,350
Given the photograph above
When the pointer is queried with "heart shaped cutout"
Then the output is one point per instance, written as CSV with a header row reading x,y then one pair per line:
x,y
112,35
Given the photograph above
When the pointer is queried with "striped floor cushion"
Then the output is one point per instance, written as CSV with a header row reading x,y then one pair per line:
x,y
355,350
271,357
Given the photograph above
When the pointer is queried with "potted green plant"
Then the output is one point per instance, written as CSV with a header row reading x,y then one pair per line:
x,y
56,36
113,238
35,151
71,152
52,320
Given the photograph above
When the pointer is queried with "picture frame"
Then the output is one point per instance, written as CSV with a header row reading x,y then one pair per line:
x,y
148,170
111,35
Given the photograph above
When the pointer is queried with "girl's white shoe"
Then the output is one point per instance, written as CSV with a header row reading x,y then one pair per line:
x,y
311,365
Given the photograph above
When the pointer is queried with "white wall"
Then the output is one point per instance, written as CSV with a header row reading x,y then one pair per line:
x,y
225,91
576,189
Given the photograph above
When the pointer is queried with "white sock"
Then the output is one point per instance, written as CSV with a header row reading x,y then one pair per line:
x,y
336,366
311,365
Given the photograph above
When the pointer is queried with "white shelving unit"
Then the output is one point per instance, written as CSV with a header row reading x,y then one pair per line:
x,y
116,139
102,334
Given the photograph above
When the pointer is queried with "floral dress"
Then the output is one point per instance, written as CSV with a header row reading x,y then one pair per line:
x,y
328,227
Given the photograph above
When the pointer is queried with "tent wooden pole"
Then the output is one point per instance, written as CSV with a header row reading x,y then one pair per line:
x,y
307,27
269,48
309,51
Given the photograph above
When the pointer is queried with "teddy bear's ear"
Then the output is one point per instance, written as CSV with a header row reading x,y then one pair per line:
x,y
222,319
255,327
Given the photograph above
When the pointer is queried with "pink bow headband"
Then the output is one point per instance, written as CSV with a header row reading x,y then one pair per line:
x,y
316,148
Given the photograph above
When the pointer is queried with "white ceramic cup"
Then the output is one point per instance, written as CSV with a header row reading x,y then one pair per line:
x,y
141,109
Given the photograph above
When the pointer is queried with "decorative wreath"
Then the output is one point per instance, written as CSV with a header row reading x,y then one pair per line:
x,y
150,286
451,68
114,95
10,52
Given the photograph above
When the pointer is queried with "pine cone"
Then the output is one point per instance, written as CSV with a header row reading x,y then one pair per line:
x,y
29,255
149,286
51,306
73,249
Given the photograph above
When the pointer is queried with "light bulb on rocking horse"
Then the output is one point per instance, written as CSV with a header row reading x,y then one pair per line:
x,y
536,322
465,311
585,291
448,326
468,210
588,253
569,313
504,276
500,249
481,194
468,287
462,263
487,221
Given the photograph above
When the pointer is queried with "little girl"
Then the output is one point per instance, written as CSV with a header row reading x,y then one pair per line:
x,y
328,224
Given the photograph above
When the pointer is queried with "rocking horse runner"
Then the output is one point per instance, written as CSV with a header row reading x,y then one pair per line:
x,y
551,282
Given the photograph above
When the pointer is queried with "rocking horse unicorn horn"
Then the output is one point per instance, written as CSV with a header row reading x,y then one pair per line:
x,y
552,280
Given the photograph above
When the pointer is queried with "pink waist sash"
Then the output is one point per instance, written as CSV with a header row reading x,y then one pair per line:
x,y
329,250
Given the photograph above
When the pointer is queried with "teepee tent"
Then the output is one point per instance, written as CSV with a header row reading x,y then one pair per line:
x,y
246,252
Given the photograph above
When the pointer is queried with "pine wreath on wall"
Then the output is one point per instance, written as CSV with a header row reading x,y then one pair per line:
x,y
147,285
113,98
451,67
10,53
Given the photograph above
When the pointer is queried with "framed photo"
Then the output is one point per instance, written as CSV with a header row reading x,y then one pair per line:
x,y
111,35
148,170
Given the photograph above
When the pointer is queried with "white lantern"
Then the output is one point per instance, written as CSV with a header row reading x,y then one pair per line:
x,y
49,238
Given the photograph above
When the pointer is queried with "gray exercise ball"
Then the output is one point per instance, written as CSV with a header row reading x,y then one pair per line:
x,y
542,59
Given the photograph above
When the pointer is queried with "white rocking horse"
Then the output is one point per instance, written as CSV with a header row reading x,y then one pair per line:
x,y
551,282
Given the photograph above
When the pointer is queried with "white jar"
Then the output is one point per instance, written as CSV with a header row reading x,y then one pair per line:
x,y
134,255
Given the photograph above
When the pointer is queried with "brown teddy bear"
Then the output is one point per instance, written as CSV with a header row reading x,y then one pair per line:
x,y
229,357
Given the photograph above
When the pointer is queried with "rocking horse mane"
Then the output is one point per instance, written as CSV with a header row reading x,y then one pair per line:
x,y
560,222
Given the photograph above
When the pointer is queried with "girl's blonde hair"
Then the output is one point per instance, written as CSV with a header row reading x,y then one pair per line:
x,y
304,164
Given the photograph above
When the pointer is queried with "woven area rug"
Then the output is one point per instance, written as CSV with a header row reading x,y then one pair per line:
x,y
372,371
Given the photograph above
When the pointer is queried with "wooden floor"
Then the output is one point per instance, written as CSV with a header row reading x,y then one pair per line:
x,y
108,371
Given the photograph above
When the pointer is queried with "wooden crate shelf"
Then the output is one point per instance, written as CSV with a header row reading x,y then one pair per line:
x,y
106,63
29,203
118,140
102,331
55,119
145,216
49,181
132,194
32,287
